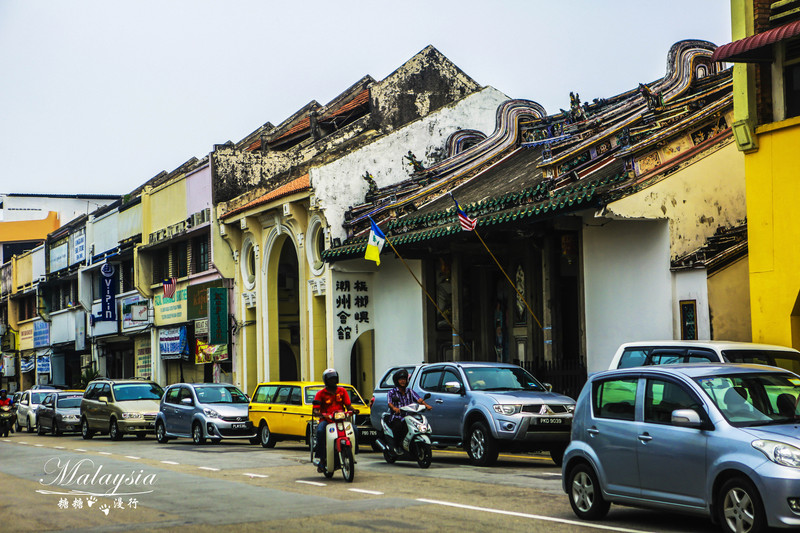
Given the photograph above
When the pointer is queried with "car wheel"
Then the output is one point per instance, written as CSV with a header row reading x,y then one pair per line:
x,y
197,434
161,433
557,454
17,427
739,507
585,495
113,430
39,429
54,430
31,425
267,439
481,447
86,433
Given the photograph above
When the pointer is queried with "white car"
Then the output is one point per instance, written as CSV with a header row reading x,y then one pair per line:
x,y
26,408
643,353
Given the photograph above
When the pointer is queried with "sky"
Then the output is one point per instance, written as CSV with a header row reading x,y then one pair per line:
x,y
97,97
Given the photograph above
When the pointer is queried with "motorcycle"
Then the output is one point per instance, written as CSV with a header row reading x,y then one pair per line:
x,y
340,440
6,419
417,443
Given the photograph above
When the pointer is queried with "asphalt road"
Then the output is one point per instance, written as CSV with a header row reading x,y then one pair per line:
x,y
70,484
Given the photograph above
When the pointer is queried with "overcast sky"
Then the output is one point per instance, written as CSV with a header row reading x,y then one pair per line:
x,y
100,96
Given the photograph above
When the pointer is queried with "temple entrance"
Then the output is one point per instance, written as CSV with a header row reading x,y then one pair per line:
x,y
288,293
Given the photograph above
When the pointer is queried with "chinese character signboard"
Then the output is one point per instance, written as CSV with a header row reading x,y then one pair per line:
x,y
351,307
197,299
217,315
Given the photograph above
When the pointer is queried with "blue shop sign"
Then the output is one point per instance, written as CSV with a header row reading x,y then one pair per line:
x,y
41,334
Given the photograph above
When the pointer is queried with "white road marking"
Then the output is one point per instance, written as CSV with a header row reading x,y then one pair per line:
x,y
6,440
365,491
549,474
534,516
22,442
132,457
315,483
170,463
254,475
58,447
38,445
208,468
79,450
104,453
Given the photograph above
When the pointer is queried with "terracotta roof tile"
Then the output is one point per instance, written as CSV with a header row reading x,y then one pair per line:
x,y
358,100
300,184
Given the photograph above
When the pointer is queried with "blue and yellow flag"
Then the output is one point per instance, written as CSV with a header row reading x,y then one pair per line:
x,y
374,243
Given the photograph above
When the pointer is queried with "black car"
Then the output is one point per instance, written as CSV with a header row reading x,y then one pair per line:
x,y
59,413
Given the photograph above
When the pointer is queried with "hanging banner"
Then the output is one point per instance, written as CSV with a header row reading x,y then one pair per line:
x,y
210,353
144,359
27,364
41,334
173,343
108,293
43,364
217,315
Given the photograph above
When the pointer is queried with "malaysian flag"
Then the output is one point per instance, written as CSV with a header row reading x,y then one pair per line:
x,y
467,224
169,287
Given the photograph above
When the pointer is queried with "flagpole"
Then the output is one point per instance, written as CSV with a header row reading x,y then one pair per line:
x,y
513,285
449,323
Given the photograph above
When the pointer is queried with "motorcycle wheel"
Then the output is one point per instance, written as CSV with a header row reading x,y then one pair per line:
x,y
389,457
423,455
348,464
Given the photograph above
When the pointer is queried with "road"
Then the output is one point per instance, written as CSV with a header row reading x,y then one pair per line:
x,y
70,484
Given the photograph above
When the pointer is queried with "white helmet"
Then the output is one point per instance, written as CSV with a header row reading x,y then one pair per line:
x,y
330,374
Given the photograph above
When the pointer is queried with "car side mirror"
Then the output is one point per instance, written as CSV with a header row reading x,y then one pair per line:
x,y
548,387
103,399
687,418
187,401
24,402
427,395
453,387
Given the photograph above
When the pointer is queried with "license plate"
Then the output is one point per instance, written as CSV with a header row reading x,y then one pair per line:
x,y
369,433
552,420
238,426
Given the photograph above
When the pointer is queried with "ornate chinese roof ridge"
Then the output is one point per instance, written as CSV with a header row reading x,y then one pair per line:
x,y
724,247
535,165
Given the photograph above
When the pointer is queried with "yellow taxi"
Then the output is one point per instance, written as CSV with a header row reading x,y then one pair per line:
x,y
281,410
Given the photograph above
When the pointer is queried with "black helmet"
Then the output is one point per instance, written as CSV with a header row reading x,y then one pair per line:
x,y
400,374
330,377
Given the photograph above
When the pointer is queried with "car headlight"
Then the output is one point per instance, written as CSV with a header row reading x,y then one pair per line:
x,y
507,408
779,452
571,408
132,415
70,418
210,413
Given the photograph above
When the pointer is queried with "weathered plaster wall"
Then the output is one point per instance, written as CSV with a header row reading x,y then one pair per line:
x,y
627,286
198,190
37,207
340,184
168,205
729,302
697,200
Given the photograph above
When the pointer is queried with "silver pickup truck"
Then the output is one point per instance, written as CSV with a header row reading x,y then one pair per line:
x,y
485,407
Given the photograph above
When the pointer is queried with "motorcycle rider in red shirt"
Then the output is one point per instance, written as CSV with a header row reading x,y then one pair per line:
x,y
327,401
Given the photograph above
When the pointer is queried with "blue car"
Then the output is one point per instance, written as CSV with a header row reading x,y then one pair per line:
x,y
716,440
204,411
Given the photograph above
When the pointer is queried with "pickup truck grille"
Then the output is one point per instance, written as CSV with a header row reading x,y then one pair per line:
x,y
536,408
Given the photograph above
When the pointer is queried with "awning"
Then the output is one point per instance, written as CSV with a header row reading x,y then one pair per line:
x,y
756,48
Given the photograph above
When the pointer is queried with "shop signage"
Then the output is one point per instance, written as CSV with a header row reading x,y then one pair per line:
x,y
43,364
108,293
80,332
78,247
170,310
197,299
173,343
351,308
9,368
201,327
8,342
58,257
217,316
26,336
134,312
27,364
144,359
41,334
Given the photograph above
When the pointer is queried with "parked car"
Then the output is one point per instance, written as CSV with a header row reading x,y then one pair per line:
x,y
282,410
718,440
26,408
203,411
486,407
60,412
643,353
120,406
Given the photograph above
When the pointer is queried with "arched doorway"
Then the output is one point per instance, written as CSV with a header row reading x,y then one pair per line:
x,y
288,295
362,364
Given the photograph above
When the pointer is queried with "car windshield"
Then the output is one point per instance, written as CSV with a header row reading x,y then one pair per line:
x,y
784,359
355,397
754,399
137,391
38,397
69,402
219,394
489,378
